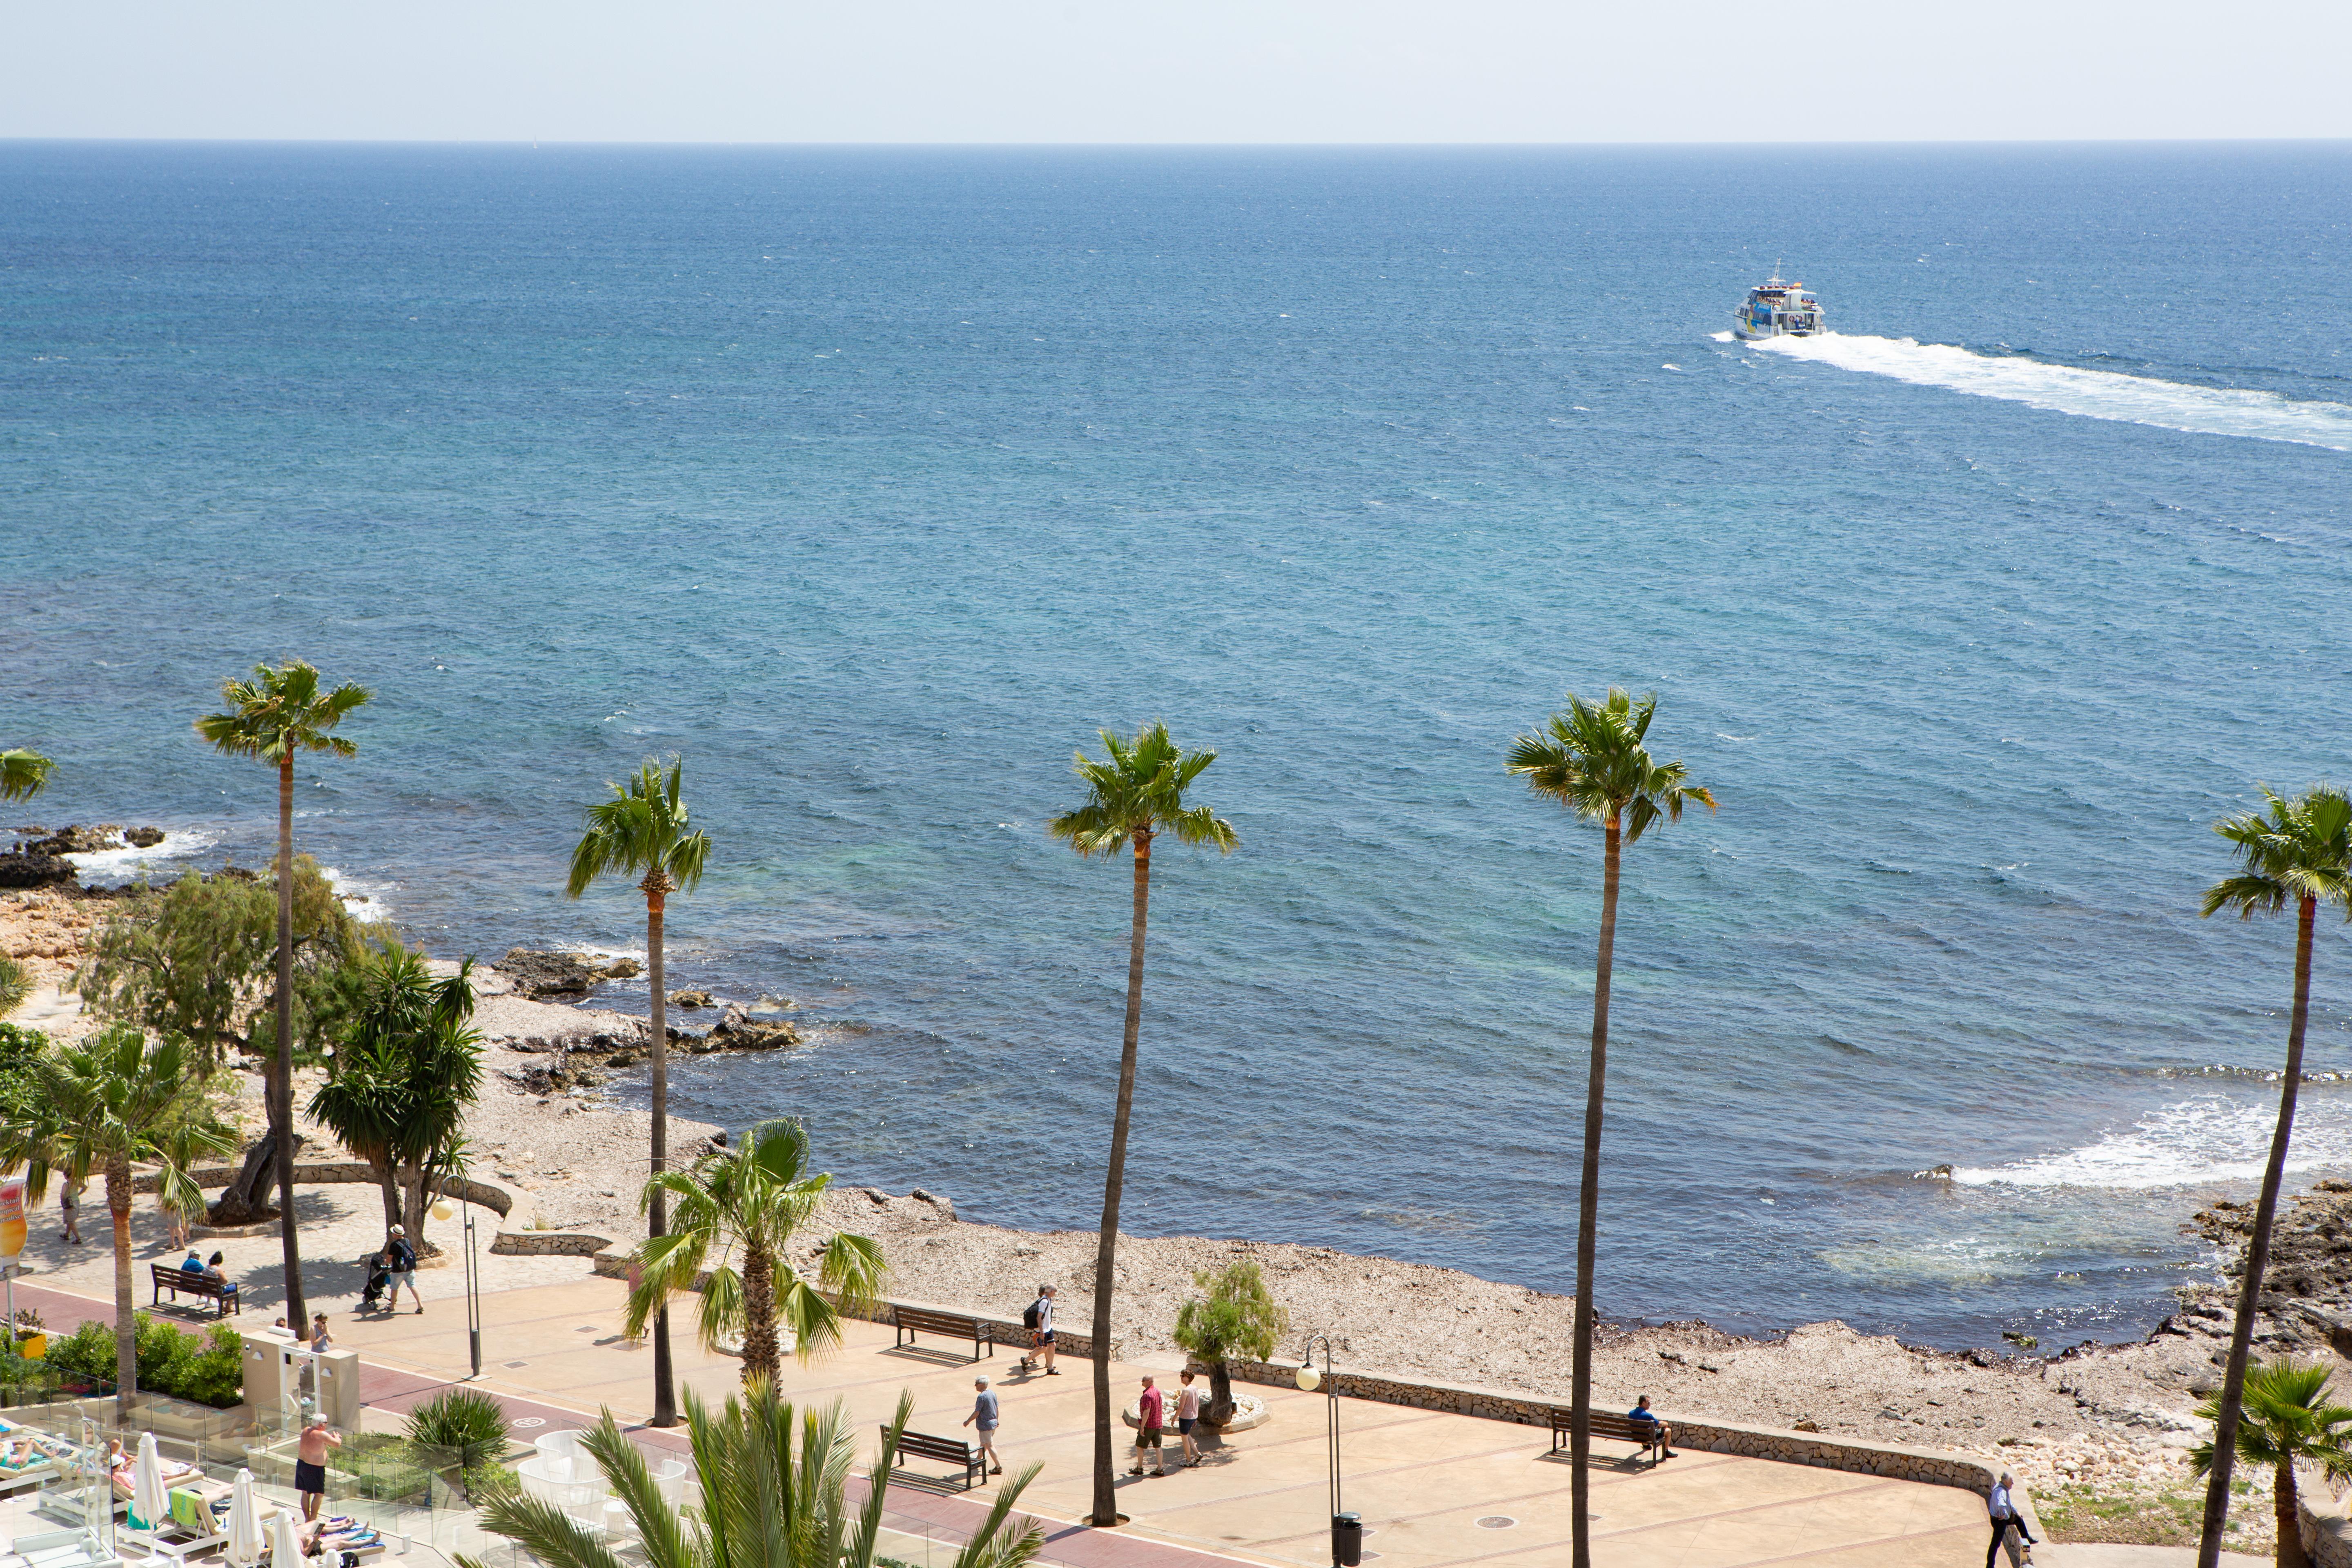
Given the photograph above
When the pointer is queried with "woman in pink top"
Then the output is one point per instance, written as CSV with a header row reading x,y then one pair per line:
x,y
1188,1415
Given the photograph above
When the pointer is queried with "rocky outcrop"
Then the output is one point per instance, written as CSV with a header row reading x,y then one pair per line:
x,y
563,1076
689,998
540,975
24,870
738,1031
73,840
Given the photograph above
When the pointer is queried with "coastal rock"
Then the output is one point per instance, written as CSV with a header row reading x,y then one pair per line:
x,y
946,1207
142,838
72,840
689,998
558,1078
624,969
736,1031
23,870
539,975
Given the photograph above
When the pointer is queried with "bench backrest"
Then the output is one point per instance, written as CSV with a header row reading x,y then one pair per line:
x,y
916,1320
1606,1423
179,1278
923,1445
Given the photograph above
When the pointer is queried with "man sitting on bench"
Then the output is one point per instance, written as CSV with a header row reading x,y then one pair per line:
x,y
1655,1433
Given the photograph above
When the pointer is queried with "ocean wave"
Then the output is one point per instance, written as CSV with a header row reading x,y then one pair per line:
x,y
128,859
2091,393
365,900
2213,1138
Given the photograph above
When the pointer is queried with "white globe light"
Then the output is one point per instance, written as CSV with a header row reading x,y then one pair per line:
x,y
1310,1380
441,1209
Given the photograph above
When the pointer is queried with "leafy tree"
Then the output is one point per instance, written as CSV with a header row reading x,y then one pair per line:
x,y
19,1089
273,717
106,1105
1237,1316
1135,795
409,1070
755,1199
764,1504
23,773
2294,853
643,832
1591,758
2285,1420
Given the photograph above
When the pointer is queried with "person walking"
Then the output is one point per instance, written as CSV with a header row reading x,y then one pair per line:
x,y
310,1464
400,1258
2006,1517
1188,1415
982,1420
69,1201
1151,1418
1039,1321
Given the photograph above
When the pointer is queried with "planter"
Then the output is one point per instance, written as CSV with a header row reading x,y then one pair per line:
x,y
32,1345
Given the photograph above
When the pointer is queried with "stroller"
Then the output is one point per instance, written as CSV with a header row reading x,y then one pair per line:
x,y
378,1277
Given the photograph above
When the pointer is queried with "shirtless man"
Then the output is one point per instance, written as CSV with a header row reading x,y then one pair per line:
x,y
310,1464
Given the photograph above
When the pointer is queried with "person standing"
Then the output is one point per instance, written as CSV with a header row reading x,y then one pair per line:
x,y
69,1201
982,1420
2006,1516
1040,1321
400,1258
1150,1414
320,1340
1188,1415
310,1464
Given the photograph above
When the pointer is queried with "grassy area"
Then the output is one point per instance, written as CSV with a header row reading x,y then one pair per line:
x,y
2165,1518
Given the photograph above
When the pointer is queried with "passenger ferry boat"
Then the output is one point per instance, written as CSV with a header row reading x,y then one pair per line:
x,y
1777,308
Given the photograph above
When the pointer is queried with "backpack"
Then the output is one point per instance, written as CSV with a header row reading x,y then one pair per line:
x,y
1029,1317
404,1257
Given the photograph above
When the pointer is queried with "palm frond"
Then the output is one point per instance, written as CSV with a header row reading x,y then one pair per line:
x,y
23,773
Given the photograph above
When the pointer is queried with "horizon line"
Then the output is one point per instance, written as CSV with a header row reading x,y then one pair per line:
x,y
846,144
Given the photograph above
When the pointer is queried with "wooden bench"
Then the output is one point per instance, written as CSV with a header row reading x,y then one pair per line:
x,y
912,1320
1645,1436
948,1450
183,1282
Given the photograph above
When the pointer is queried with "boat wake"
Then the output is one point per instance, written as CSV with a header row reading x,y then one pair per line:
x,y
2091,393
2213,1138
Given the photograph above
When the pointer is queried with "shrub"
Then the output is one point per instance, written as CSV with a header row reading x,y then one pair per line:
x,y
84,1356
464,1422
19,1048
16,982
207,1369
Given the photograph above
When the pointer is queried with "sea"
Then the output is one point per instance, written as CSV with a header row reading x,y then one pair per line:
x,y
874,482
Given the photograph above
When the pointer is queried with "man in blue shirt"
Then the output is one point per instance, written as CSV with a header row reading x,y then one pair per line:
x,y
983,1419
1655,1433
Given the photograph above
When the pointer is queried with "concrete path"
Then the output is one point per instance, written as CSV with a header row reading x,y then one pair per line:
x,y
2086,1556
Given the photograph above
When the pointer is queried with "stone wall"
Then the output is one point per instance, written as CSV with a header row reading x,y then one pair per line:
x,y
2326,1519
552,1244
996,1331
328,1174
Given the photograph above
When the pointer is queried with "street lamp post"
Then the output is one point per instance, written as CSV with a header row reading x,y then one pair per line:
x,y
1347,1528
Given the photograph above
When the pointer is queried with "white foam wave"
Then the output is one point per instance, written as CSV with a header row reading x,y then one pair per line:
x,y
1720,337
2213,1138
2092,394
364,900
129,859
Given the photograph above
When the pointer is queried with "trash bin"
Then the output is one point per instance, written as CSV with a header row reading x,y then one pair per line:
x,y
1348,1540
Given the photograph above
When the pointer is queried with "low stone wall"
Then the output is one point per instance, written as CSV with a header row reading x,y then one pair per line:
x,y
552,1244
994,1331
317,1175
2326,1520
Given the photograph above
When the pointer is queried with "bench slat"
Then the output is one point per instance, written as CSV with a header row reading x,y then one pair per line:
x,y
950,1450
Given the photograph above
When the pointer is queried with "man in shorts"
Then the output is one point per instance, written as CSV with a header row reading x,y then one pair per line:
x,y
982,1419
310,1464
1655,1433
1188,1415
400,1258
1041,1332
1151,1419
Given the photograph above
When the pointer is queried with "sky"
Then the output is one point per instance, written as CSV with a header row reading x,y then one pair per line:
x,y
1253,72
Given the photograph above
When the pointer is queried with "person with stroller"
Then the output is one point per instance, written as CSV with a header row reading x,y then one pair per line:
x,y
400,1261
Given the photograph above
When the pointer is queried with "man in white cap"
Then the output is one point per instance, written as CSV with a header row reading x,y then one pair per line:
x,y
400,1258
983,1418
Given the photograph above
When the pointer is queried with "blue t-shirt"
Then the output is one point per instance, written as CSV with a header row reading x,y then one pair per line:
x,y
984,1410
194,1264
1637,1414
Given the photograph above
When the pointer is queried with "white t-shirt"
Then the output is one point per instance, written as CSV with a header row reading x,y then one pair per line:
x,y
1044,1314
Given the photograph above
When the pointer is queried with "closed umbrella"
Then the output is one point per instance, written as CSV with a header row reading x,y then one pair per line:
x,y
245,1543
285,1552
148,1503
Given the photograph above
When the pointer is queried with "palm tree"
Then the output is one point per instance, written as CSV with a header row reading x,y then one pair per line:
x,y
642,832
764,1506
273,716
1138,792
2298,852
23,773
2286,1420
1591,758
105,1106
757,1197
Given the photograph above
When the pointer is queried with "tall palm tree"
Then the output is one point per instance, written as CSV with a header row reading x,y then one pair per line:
x,y
102,1107
1136,794
2287,1420
2296,852
757,1197
1591,758
277,714
763,1505
643,832
21,773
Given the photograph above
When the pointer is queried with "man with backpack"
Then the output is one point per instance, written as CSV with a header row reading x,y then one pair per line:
x,y
1039,1321
400,1258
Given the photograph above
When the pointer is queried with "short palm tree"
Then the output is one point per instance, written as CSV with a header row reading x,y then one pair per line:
x,y
643,832
2286,1420
102,1107
756,1198
23,773
764,1504
2294,853
1134,794
274,715
1592,757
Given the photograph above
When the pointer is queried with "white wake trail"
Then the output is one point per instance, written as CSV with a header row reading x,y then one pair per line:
x,y
2092,394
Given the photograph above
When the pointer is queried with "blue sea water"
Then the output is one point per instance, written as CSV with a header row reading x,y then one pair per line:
x,y
874,481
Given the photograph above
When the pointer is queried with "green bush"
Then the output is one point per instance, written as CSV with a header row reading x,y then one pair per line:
x,y
18,1046
206,1369
86,1355
464,1422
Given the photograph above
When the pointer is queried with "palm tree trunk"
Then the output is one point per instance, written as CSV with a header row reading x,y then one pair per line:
x,y
2291,1554
126,1312
762,1361
281,1113
388,1175
2258,1252
1588,1214
658,1219
1105,1509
